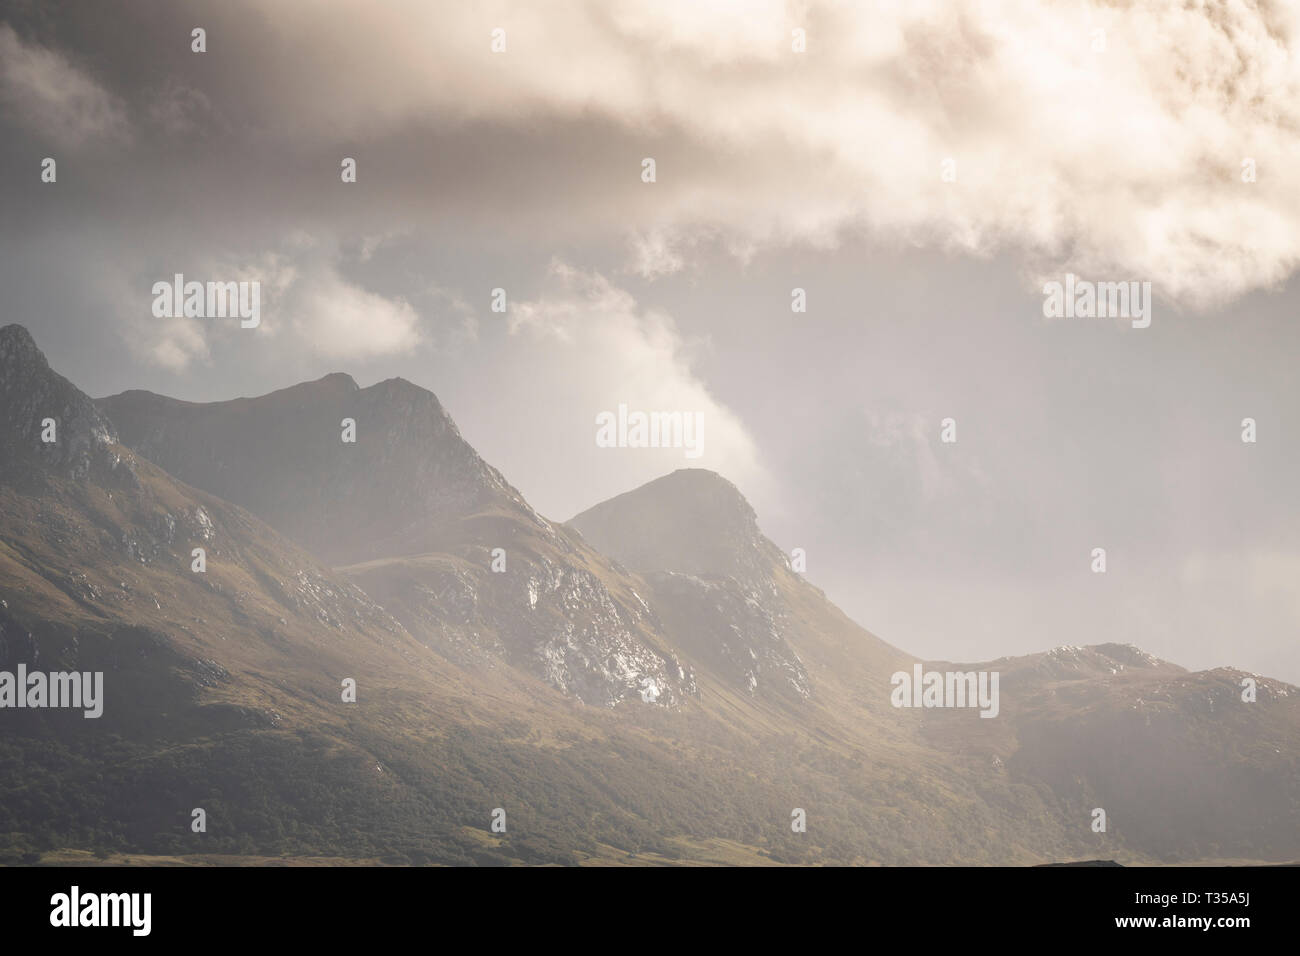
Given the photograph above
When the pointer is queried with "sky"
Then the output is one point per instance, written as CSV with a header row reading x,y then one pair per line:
x,y
919,170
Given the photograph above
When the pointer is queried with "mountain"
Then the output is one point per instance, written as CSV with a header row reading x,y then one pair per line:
x,y
1180,762
728,595
223,688
208,676
1178,759
692,521
652,682
404,479
414,515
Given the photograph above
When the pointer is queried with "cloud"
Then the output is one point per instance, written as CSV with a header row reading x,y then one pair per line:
x,y
590,348
175,345
655,254
339,319
307,305
44,91
1122,161
908,442
1107,140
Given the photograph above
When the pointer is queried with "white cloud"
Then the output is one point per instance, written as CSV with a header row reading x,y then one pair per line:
x,y
591,347
655,254
176,344
1123,163
307,307
336,318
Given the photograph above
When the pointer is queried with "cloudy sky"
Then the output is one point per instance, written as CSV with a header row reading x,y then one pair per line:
x,y
920,170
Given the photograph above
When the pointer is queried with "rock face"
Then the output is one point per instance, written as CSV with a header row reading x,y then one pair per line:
x,y
31,396
741,634
551,618
710,573
412,514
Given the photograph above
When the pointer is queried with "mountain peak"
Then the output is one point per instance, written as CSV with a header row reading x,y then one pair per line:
x,y
400,390
398,384
701,481
696,488
44,418
692,521
15,337
383,485
340,380
326,388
